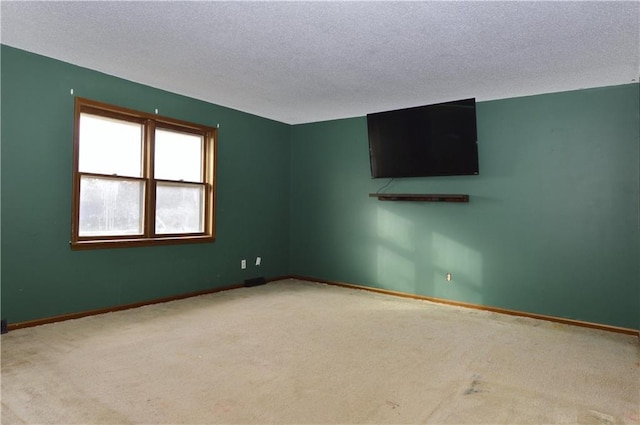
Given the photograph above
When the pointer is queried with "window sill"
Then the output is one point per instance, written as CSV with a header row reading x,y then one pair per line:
x,y
129,243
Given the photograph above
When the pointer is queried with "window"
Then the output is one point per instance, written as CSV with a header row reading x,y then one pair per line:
x,y
140,179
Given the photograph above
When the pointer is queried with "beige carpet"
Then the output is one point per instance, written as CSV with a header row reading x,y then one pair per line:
x,y
299,352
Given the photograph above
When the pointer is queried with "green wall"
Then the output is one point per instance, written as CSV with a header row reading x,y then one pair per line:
x,y
551,227
42,277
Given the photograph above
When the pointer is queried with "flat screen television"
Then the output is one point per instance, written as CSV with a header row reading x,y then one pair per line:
x,y
431,140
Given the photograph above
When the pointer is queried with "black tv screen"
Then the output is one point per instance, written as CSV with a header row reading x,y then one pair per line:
x,y
431,140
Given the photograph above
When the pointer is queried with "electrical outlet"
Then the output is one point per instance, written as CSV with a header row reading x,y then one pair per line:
x,y
258,261
243,264
449,277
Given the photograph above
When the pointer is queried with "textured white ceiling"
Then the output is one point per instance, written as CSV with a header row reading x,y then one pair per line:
x,y
299,62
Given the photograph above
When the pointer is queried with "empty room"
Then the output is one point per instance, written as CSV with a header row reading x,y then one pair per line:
x,y
320,212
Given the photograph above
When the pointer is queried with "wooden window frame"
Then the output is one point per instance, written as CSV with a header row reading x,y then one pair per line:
x,y
149,123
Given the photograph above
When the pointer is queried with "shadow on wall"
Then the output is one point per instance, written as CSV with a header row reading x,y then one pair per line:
x,y
413,259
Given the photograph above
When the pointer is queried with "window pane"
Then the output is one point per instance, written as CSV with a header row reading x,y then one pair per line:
x,y
179,208
110,207
178,156
110,146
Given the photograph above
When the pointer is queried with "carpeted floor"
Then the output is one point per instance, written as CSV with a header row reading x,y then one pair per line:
x,y
301,352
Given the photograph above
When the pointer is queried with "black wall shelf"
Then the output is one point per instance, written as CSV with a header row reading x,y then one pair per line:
x,y
420,197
